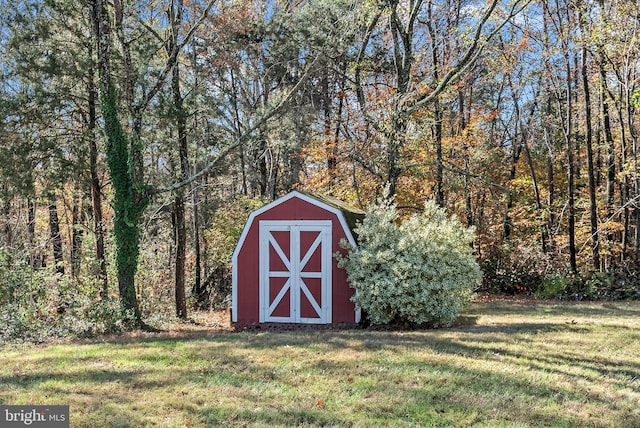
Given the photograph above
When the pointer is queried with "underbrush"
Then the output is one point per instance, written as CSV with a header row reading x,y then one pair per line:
x,y
39,304
618,284
517,269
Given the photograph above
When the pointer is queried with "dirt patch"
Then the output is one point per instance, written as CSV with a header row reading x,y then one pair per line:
x,y
200,323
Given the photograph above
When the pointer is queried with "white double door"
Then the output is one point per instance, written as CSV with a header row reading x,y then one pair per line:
x,y
295,271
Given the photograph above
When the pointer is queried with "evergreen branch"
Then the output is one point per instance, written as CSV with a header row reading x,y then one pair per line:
x,y
240,139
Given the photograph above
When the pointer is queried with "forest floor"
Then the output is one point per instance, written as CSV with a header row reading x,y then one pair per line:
x,y
506,362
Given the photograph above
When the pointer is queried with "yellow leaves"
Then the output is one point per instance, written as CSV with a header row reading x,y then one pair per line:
x,y
522,182
612,226
629,170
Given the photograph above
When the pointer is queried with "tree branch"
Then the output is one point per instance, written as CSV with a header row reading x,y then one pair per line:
x,y
173,57
468,60
358,71
237,142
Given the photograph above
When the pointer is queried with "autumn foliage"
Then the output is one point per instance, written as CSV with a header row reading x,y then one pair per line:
x,y
129,129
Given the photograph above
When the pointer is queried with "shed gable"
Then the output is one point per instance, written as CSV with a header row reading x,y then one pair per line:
x,y
314,200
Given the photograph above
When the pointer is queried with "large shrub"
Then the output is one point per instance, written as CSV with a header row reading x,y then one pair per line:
x,y
421,271
31,299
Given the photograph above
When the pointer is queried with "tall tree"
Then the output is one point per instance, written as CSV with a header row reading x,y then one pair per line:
x,y
175,13
129,199
593,202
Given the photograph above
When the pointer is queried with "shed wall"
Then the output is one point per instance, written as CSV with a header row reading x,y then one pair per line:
x,y
247,269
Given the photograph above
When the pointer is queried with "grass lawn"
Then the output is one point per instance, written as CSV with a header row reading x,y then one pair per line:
x,y
504,364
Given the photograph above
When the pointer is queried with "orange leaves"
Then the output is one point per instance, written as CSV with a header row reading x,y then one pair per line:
x,y
524,44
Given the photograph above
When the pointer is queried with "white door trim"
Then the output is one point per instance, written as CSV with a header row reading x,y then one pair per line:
x,y
295,264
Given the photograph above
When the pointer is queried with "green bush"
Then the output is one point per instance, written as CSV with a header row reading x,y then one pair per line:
x,y
421,271
552,287
222,236
25,299
620,283
38,304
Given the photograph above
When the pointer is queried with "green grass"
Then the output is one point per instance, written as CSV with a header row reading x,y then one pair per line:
x,y
503,364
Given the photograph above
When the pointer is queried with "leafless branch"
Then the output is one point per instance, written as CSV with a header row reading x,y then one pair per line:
x,y
468,60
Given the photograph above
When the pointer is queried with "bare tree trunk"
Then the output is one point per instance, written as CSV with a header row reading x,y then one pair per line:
x,y
394,142
198,289
56,243
175,15
610,144
593,210
77,220
624,187
467,172
34,256
336,134
548,138
330,150
630,113
562,11
96,189
56,238
264,180
516,151
571,216
181,244
508,223
536,193
238,125
550,176
437,111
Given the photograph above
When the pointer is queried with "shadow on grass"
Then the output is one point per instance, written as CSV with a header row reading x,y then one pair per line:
x,y
468,374
620,309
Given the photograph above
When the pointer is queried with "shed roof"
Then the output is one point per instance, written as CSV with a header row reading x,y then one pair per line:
x,y
352,215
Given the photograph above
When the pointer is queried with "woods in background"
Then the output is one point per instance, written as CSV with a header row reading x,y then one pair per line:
x,y
137,136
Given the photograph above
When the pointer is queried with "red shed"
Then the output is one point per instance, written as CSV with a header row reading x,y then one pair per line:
x,y
284,269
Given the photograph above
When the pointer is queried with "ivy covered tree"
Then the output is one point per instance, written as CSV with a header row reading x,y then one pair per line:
x,y
129,90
